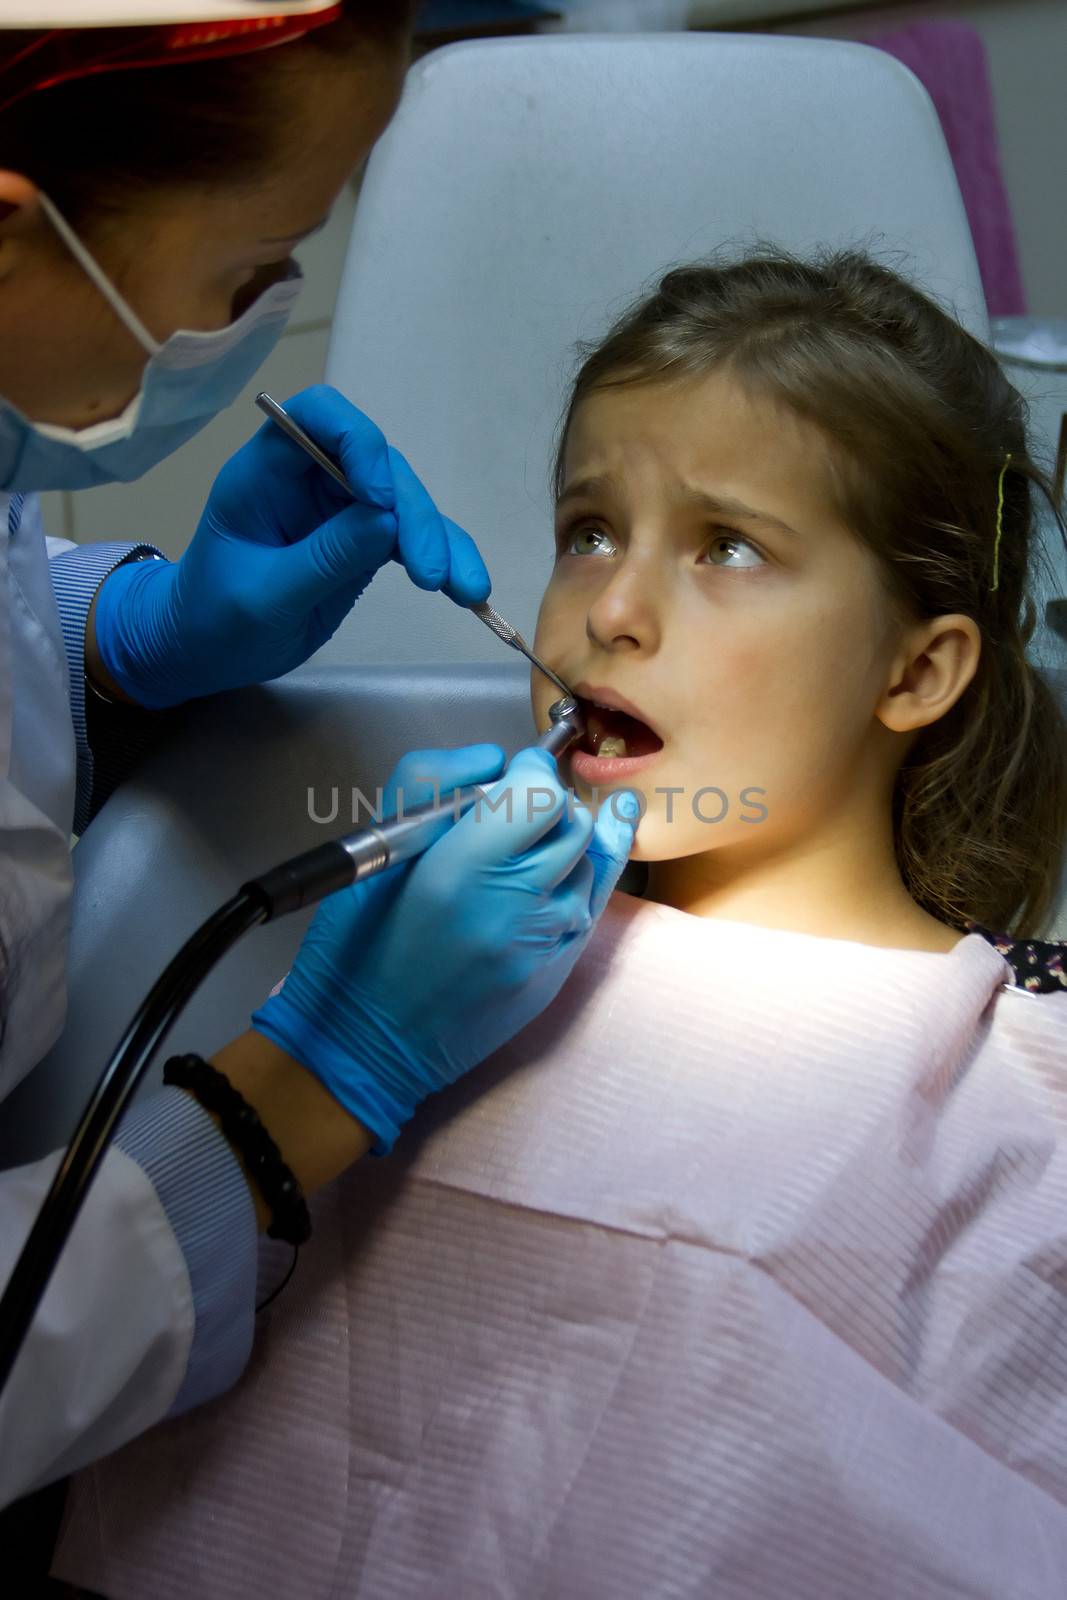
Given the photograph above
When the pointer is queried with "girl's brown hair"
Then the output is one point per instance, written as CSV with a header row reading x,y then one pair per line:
x,y
920,418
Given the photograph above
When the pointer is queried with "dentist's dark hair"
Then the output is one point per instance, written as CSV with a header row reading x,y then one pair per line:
x,y
918,416
98,144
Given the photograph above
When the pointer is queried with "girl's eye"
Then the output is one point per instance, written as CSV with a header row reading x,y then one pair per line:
x,y
569,541
732,539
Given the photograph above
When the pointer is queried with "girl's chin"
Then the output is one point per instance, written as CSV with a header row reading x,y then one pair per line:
x,y
657,844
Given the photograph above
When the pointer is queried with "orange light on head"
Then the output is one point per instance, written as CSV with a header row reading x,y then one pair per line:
x,y
63,55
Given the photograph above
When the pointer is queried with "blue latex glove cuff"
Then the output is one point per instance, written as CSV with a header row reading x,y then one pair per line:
x,y
132,605
360,1094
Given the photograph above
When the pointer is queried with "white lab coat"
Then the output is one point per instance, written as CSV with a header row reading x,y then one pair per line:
x,y
109,1347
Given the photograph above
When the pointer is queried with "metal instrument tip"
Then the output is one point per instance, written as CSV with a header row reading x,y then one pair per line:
x,y
508,634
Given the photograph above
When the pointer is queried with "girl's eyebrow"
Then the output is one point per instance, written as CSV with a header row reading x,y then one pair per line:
x,y
722,505
587,486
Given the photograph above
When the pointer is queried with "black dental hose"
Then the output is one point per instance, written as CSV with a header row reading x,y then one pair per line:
x,y
301,881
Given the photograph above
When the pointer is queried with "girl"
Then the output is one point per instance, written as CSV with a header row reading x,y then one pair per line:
x,y
795,531
743,1276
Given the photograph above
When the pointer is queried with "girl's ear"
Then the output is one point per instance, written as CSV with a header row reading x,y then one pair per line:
x,y
20,213
938,663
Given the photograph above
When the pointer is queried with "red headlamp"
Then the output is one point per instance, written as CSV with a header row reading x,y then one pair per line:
x,y
36,59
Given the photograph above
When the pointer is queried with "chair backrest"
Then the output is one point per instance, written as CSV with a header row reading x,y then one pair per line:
x,y
528,189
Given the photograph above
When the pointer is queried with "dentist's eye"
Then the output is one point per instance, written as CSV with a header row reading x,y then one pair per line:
x,y
730,539
570,537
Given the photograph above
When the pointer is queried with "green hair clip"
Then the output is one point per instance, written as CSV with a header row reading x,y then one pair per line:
x,y
1000,515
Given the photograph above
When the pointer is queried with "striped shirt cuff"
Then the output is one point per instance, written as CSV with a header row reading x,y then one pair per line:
x,y
208,1204
119,740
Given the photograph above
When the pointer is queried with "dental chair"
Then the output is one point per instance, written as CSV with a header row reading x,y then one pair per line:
x,y
525,192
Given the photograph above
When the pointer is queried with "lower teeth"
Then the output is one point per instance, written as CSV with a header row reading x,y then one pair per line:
x,y
612,747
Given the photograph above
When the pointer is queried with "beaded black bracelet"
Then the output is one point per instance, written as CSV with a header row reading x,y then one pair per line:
x,y
290,1218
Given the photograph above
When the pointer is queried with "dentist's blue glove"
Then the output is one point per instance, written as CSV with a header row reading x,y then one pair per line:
x,y
406,981
280,556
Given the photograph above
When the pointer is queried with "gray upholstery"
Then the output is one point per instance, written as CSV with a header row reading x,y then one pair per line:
x,y
225,797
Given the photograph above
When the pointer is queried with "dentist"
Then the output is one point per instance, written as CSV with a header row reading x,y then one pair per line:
x,y
160,158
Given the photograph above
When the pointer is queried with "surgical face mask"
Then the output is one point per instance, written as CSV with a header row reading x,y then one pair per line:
x,y
187,381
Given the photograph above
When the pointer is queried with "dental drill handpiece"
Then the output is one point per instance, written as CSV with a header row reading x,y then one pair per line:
x,y
309,877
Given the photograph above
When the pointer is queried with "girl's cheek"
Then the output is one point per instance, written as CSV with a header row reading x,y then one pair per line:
x,y
561,611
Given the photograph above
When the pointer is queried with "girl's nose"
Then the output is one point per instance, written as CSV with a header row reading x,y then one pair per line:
x,y
626,612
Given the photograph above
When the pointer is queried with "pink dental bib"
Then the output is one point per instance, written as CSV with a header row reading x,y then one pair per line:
x,y
741,1273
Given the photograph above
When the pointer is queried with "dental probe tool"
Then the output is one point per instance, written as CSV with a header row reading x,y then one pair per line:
x,y
483,610
288,425
505,631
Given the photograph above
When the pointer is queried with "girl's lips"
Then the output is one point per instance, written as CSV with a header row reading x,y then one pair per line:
x,y
595,770
611,699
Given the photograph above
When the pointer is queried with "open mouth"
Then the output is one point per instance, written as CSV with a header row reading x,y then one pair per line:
x,y
613,733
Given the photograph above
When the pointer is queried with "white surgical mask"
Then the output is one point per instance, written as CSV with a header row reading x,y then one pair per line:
x,y
187,381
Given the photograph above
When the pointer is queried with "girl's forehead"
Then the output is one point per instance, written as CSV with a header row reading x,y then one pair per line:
x,y
706,423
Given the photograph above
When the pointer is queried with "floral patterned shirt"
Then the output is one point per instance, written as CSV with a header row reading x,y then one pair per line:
x,y
1039,967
